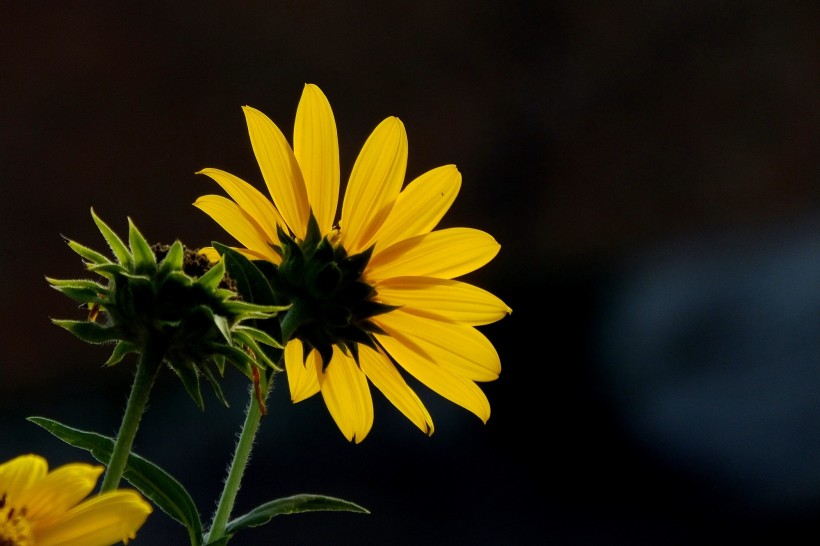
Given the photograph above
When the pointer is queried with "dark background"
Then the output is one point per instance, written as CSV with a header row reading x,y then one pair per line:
x,y
649,168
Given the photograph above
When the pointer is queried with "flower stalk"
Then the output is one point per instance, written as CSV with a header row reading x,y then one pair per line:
x,y
149,364
241,456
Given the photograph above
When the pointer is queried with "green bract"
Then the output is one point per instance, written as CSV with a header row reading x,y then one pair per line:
x,y
172,300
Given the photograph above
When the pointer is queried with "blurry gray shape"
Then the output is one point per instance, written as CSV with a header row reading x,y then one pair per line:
x,y
712,350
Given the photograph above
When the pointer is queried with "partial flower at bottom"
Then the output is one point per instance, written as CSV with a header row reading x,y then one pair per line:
x,y
42,508
374,295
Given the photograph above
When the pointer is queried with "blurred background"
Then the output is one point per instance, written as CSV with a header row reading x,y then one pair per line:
x,y
650,169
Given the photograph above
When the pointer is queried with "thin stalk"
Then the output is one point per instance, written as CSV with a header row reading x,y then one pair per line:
x,y
147,368
241,456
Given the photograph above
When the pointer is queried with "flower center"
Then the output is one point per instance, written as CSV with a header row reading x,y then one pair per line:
x,y
14,527
331,302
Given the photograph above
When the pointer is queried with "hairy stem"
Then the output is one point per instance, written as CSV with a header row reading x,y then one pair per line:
x,y
147,368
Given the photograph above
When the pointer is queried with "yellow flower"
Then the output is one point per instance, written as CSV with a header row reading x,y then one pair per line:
x,y
42,508
375,290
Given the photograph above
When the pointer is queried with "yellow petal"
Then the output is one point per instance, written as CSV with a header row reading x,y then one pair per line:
x,y
279,169
301,374
250,200
459,348
316,147
237,223
442,298
347,396
420,205
21,473
213,255
446,253
385,377
375,182
454,388
60,490
100,521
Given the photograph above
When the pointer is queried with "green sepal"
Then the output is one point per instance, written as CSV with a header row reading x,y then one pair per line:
x,y
253,310
144,259
152,481
241,360
257,335
173,260
219,362
214,381
296,504
250,282
123,348
90,332
190,380
81,295
77,283
213,276
117,246
109,269
88,254
223,327
259,352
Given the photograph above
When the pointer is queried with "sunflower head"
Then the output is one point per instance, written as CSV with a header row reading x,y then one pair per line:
x,y
373,291
170,299
329,302
38,506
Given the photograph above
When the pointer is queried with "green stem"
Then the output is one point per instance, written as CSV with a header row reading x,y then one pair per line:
x,y
147,368
240,461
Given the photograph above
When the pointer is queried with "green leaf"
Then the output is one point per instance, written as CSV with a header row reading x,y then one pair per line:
x,y
90,332
152,481
173,260
211,279
91,255
117,246
292,505
76,283
250,282
81,295
144,259
122,349
190,380
208,373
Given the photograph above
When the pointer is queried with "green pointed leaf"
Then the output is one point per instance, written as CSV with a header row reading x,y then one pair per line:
x,y
222,541
214,381
250,282
81,295
90,332
257,350
123,348
117,246
211,279
151,480
91,255
257,335
173,260
223,326
144,258
190,380
76,283
292,505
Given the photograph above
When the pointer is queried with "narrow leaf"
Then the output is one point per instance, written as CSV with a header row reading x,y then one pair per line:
x,y
250,281
89,332
292,505
144,258
152,481
117,246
